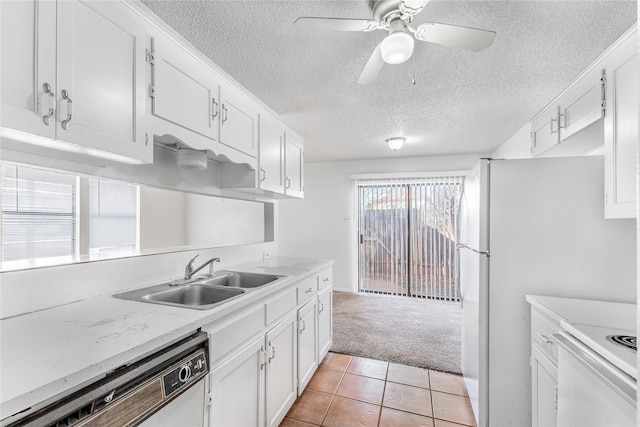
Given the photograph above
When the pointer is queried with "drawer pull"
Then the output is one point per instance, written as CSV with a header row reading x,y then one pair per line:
x,y
326,279
543,338
308,290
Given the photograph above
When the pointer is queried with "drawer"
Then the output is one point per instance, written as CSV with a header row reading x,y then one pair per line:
x,y
228,335
542,327
281,305
307,289
325,279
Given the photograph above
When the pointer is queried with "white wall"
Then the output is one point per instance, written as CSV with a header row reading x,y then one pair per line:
x,y
516,147
324,224
162,218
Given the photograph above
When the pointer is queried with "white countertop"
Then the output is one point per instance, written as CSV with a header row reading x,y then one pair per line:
x,y
64,348
590,321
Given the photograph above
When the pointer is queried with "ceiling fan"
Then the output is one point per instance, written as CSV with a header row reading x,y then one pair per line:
x,y
395,17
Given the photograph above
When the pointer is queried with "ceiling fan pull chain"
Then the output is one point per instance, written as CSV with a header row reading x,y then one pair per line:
x,y
414,68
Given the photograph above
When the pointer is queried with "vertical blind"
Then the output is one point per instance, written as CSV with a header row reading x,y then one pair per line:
x,y
408,231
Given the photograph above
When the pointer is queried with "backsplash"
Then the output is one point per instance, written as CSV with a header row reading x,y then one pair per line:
x,y
26,291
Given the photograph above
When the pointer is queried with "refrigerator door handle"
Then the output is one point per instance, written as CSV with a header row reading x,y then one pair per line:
x,y
463,246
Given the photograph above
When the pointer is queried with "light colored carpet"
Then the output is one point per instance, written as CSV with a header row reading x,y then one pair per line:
x,y
408,331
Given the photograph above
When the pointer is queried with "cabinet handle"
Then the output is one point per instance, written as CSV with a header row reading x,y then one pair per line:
x,y
560,116
551,123
304,325
288,183
52,104
265,356
66,123
224,113
263,175
320,307
216,108
308,291
326,279
273,353
543,338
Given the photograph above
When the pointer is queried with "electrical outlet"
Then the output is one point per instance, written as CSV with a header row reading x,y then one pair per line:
x,y
266,255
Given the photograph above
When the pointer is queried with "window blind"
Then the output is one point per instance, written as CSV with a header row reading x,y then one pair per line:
x,y
408,231
38,213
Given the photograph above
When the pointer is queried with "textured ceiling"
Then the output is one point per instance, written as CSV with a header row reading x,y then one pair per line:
x,y
462,102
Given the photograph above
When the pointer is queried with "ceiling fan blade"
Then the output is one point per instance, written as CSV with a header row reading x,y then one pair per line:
x,y
335,24
467,38
373,67
412,7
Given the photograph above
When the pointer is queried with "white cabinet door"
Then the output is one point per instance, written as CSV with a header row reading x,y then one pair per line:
x,y
544,131
238,121
237,389
185,91
583,104
101,78
271,155
307,344
294,164
27,60
544,390
325,330
281,370
621,131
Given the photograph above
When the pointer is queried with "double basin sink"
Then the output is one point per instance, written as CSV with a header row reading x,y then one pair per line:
x,y
201,293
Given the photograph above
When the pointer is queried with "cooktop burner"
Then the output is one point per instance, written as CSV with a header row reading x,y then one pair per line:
x,y
627,341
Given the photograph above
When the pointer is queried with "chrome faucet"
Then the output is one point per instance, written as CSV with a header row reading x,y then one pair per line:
x,y
190,270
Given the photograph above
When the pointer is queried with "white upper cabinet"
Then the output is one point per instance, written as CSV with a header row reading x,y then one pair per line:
x,y
271,158
101,78
294,166
621,130
95,50
238,121
28,74
562,128
184,91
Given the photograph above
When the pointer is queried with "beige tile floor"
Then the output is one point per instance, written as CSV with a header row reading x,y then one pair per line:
x,y
354,391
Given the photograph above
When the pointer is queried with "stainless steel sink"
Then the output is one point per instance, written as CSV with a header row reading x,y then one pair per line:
x,y
235,279
194,295
202,293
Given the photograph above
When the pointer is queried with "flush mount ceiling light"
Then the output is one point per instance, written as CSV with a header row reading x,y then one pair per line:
x,y
396,143
397,47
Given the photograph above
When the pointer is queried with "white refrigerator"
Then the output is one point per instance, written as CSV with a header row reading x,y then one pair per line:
x,y
531,226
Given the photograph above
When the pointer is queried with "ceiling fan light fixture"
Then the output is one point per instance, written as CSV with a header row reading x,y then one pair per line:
x,y
396,143
397,47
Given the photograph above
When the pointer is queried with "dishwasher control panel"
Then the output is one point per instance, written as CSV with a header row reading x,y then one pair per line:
x,y
183,373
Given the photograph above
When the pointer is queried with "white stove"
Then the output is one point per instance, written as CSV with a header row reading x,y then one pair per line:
x,y
597,338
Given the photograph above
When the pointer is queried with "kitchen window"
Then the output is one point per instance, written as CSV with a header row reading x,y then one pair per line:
x,y
49,214
38,213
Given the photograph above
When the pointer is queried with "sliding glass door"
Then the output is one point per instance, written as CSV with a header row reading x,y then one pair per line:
x,y
408,230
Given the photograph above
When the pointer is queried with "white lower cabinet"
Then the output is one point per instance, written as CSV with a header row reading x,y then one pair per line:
x,y
325,329
544,370
544,387
236,390
307,344
281,370
258,383
263,356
